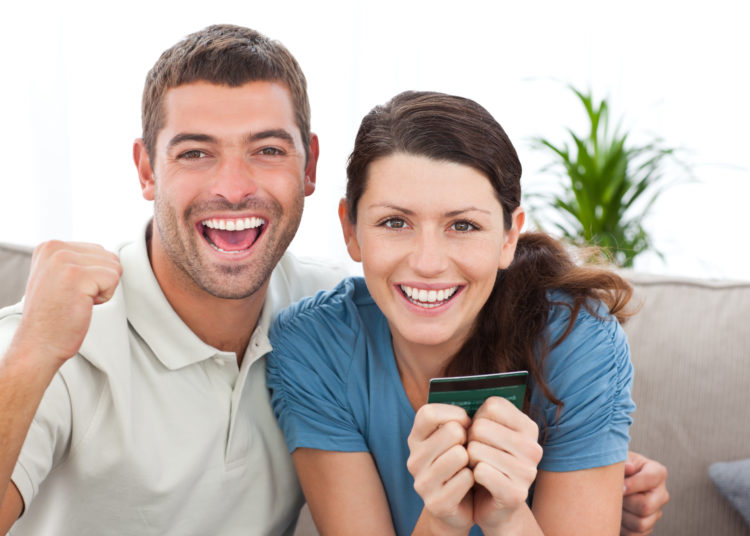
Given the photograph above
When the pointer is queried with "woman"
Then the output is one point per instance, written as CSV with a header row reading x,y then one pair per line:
x,y
451,287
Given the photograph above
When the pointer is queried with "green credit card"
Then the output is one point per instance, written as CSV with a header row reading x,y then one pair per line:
x,y
469,392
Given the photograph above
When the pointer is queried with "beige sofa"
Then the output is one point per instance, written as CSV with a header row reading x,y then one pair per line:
x,y
691,349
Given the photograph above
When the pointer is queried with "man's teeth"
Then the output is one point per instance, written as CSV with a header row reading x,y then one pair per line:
x,y
239,224
428,298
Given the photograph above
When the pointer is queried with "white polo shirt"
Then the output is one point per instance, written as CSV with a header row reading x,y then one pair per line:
x,y
150,431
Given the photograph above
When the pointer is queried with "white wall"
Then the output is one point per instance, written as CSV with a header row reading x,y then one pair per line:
x,y
73,73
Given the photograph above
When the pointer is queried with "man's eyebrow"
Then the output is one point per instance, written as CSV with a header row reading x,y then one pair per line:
x,y
279,133
187,136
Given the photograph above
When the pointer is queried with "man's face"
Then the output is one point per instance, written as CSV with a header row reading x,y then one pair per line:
x,y
228,186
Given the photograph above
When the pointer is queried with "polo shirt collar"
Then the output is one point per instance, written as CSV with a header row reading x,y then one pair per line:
x,y
151,315
259,344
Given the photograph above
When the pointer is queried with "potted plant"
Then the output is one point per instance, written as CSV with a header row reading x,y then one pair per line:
x,y
608,185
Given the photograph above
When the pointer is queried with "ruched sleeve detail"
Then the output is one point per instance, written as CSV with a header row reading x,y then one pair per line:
x,y
315,342
591,372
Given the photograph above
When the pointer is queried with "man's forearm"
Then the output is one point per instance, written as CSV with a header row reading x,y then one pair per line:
x,y
23,382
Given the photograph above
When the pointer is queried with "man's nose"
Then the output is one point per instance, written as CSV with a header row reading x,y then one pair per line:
x,y
430,255
234,180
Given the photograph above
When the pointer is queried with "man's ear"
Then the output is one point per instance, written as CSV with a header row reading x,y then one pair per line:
x,y
312,164
145,172
511,238
350,232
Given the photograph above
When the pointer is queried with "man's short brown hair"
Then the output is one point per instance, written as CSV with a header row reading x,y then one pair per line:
x,y
228,55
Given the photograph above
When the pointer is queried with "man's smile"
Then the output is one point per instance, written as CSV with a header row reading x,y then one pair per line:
x,y
232,235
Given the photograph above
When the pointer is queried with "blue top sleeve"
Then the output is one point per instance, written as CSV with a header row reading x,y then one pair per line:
x,y
591,372
308,382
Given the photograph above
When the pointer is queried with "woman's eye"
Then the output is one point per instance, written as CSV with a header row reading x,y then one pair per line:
x,y
463,226
394,223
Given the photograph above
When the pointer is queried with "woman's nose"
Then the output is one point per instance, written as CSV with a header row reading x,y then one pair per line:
x,y
430,255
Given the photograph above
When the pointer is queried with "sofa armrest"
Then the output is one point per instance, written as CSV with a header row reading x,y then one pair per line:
x,y
14,270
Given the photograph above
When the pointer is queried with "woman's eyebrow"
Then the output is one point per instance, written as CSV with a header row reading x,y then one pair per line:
x,y
449,214
392,207
454,213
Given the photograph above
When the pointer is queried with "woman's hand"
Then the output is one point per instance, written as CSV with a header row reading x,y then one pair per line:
x,y
438,461
503,453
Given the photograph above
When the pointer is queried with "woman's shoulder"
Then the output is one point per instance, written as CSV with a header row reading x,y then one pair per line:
x,y
342,304
594,342
327,330
592,319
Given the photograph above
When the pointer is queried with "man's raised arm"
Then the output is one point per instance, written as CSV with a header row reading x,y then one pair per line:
x,y
66,281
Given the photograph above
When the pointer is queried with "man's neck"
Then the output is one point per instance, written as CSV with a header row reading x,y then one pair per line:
x,y
225,324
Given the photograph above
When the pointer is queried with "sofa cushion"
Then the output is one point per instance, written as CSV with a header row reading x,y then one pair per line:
x,y
14,269
733,480
690,347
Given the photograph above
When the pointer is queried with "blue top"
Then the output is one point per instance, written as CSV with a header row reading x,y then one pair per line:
x,y
335,386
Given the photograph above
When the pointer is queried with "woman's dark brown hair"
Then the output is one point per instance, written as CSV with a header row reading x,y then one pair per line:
x,y
509,333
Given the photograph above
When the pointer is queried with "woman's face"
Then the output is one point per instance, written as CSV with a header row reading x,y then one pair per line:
x,y
431,238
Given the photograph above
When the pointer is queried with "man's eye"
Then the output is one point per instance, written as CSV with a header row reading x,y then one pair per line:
x,y
192,154
394,223
463,226
271,151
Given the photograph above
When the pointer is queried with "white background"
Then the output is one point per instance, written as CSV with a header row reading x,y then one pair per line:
x,y
72,75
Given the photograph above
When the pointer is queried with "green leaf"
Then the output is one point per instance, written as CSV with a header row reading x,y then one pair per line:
x,y
603,181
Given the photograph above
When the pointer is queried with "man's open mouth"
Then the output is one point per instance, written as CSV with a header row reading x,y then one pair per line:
x,y
234,235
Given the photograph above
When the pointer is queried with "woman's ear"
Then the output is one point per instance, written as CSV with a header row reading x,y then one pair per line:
x,y
350,232
511,238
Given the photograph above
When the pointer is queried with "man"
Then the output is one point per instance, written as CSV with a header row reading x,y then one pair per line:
x,y
148,414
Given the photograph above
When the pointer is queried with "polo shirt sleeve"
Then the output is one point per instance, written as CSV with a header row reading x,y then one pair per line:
x,y
591,372
309,370
49,434
47,441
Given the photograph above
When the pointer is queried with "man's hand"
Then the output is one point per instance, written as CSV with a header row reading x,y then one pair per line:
x,y
644,495
66,281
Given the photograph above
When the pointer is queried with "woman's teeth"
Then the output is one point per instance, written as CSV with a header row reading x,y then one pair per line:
x,y
428,298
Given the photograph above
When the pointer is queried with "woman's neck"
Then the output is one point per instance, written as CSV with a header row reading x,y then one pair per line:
x,y
417,364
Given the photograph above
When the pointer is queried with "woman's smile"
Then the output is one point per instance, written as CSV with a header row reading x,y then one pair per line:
x,y
428,298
